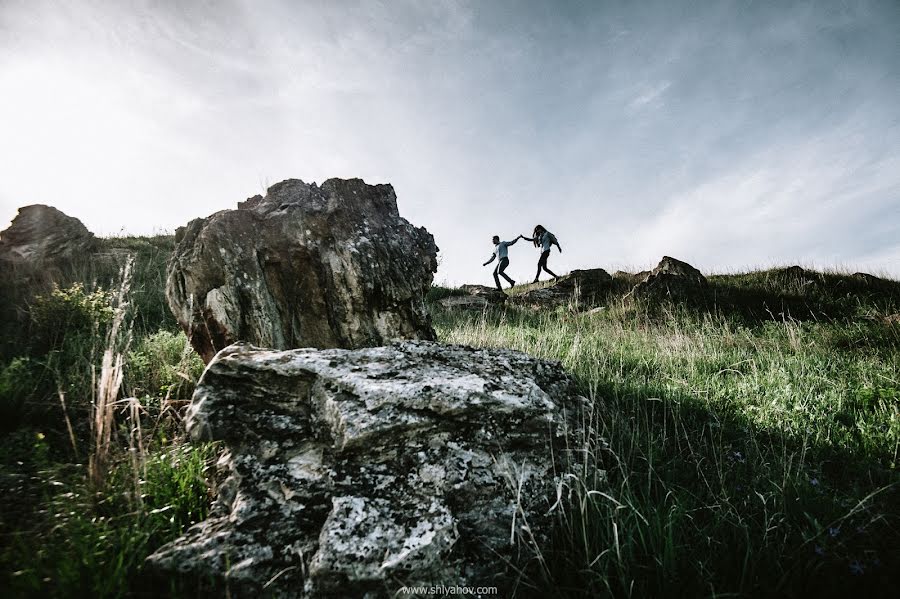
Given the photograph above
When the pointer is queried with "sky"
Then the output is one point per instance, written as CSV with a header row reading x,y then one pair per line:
x,y
733,134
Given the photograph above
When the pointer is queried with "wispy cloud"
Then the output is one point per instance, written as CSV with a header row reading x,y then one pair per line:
x,y
733,135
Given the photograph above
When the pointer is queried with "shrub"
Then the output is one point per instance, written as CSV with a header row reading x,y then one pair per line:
x,y
66,313
163,364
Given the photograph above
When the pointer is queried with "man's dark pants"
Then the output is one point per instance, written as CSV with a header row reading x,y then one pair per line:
x,y
501,266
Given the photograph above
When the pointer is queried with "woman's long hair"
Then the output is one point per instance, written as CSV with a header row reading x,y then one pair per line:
x,y
536,235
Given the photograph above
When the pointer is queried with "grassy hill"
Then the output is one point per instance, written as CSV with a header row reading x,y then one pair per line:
x,y
742,443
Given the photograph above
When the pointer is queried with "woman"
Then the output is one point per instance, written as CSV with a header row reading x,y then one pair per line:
x,y
545,240
502,254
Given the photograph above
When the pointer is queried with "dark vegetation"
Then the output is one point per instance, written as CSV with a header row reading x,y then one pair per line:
x,y
78,515
742,444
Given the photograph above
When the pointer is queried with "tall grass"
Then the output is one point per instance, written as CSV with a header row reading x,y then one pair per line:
x,y
743,446
720,458
70,529
109,381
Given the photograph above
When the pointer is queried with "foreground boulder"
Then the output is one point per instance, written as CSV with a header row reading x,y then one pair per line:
x,y
42,233
353,472
304,266
671,278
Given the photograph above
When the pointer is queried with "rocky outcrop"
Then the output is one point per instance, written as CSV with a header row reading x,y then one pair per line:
x,y
633,278
304,266
867,280
671,278
44,234
584,287
354,472
794,275
474,297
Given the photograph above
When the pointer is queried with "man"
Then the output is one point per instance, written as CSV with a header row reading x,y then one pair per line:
x,y
501,253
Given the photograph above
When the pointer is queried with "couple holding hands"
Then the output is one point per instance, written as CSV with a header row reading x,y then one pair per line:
x,y
541,237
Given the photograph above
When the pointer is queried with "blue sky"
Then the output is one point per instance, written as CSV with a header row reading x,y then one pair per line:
x,y
732,135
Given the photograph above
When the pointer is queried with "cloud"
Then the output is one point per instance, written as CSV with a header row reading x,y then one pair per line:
x,y
731,135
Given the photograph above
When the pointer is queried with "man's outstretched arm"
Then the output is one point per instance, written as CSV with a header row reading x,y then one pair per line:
x,y
491,260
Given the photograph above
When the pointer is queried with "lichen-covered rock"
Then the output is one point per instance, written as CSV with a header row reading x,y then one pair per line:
x,y
583,287
42,233
671,278
304,266
359,471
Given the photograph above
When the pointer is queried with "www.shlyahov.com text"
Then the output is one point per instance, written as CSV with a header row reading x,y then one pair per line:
x,y
440,590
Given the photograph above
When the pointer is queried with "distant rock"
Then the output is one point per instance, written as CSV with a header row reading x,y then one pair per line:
x,y
41,234
490,293
304,266
622,275
474,297
871,280
794,275
355,472
579,286
671,278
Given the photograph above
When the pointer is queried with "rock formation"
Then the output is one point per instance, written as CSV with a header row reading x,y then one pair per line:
x,y
474,297
358,471
796,275
584,287
42,233
670,279
304,266
633,278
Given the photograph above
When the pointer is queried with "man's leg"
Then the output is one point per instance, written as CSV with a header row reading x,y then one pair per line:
x,y
501,268
496,278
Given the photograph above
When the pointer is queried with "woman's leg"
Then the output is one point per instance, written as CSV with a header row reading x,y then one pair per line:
x,y
544,257
542,264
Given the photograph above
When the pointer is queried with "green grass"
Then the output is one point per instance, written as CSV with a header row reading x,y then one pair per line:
x,y
78,541
742,445
62,533
723,458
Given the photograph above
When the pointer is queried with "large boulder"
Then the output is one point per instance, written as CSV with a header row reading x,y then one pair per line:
x,y
42,234
582,287
360,471
304,266
671,278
